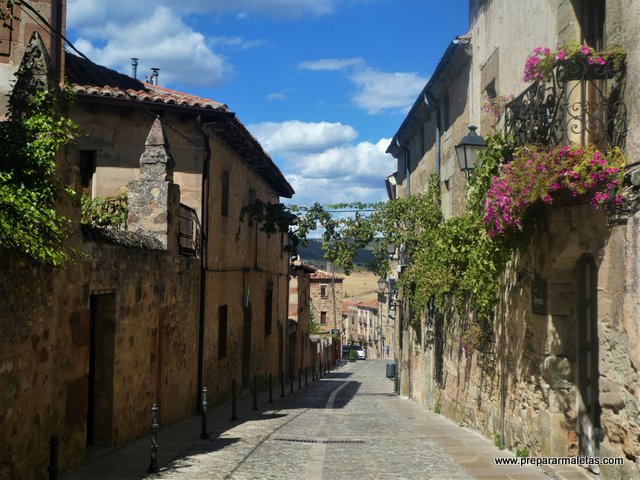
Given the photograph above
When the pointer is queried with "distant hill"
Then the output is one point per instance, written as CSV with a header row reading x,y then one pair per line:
x,y
314,255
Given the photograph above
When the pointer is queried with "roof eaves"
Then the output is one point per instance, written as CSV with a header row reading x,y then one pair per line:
x,y
422,99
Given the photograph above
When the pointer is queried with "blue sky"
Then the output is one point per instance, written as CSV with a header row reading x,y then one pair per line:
x,y
323,84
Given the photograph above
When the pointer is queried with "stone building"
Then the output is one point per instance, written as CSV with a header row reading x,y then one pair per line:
x,y
301,349
560,377
190,295
362,326
245,270
326,293
14,41
88,348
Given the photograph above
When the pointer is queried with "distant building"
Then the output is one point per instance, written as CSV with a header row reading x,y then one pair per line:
x,y
326,309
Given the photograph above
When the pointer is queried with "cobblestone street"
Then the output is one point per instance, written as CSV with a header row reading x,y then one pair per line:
x,y
348,426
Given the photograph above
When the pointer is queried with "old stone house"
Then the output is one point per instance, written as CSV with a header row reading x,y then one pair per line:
x,y
190,295
302,357
560,377
88,348
244,323
326,292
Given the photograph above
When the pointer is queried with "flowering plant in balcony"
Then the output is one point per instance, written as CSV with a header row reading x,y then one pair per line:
x,y
539,65
537,175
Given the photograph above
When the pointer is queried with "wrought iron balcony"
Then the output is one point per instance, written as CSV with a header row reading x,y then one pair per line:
x,y
580,103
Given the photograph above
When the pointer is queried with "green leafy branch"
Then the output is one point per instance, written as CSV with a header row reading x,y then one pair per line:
x,y
36,131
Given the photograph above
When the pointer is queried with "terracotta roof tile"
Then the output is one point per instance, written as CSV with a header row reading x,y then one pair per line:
x,y
92,79
322,275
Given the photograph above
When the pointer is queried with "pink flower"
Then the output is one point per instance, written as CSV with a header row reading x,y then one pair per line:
x,y
546,51
537,50
585,49
561,55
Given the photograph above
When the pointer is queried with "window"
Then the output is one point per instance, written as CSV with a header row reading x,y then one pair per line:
x,y
268,311
323,318
224,200
323,291
591,16
222,331
87,166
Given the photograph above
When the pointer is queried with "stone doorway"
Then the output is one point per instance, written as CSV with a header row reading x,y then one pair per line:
x,y
246,346
587,358
102,333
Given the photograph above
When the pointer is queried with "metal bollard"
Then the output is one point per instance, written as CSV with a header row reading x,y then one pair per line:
x,y
233,401
270,389
203,432
299,378
53,457
255,393
153,464
291,382
306,377
282,383
313,372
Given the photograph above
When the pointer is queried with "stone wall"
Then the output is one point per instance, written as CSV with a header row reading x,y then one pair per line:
x,y
243,263
46,349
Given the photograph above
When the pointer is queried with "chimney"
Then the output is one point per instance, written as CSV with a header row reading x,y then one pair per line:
x,y
154,75
134,68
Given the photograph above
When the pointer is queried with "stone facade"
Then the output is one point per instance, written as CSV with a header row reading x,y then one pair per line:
x,y
322,300
301,349
14,42
361,326
561,381
88,347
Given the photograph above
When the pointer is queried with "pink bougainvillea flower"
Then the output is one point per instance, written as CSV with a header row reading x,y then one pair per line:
x,y
585,49
561,55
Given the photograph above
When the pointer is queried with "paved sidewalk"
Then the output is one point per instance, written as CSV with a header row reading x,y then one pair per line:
x,y
349,425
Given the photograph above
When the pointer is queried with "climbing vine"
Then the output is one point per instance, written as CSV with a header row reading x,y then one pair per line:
x,y
37,129
105,212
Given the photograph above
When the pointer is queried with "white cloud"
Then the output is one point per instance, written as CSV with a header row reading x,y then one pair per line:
x,y
295,137
277,96
377,91
324,164
235,43
159,40
88,14
330,64
380,91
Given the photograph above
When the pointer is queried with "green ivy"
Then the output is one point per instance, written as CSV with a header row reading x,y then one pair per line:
x,y
36,131
105,212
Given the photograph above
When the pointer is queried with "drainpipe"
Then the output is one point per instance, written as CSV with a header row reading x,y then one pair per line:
x,y
204,213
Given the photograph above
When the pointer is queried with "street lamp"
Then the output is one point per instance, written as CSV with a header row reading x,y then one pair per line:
x,y
468,148
383,284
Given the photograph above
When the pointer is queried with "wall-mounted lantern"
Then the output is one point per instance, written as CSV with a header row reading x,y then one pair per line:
x,y
383,284
468,148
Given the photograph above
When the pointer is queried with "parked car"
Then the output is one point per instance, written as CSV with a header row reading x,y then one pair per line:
x,y
345,351
362,355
